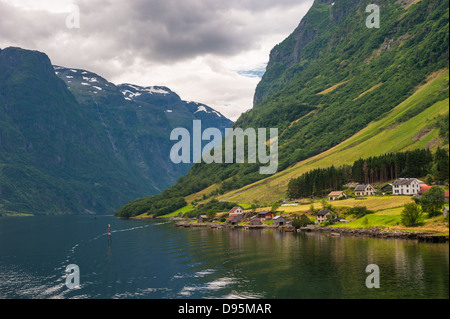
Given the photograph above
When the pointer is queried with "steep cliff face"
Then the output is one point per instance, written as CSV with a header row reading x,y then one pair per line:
x,y
320,30
72,142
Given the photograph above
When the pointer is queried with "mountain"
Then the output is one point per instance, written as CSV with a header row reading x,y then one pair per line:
x,y
72,142
138,121
332,81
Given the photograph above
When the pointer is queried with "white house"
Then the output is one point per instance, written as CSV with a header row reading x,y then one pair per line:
x,y
364,190
336,195
322,215
406,186
236,210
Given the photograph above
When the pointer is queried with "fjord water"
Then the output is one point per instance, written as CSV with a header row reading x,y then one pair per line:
x,y
154,259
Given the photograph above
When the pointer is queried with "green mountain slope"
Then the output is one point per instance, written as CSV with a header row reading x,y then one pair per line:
x,y
52,159
386,135
331,79
72,142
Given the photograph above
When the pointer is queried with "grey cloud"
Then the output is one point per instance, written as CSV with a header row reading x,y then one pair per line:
x,y
131,39
163,31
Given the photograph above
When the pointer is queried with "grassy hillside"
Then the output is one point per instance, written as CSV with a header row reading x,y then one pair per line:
x,y
379,137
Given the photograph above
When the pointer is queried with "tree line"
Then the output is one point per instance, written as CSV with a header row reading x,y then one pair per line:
x,y
376,169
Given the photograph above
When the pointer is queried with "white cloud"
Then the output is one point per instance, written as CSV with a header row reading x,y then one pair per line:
x,y
195,47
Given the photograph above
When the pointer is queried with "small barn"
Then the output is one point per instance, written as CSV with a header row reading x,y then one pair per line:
x,y
255,221
202,219
279,221
336,195
234,219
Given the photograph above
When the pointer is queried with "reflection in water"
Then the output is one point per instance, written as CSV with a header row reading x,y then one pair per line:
x,y
309,265
157,260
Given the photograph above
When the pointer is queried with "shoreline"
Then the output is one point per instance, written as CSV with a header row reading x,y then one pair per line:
x,y
334,231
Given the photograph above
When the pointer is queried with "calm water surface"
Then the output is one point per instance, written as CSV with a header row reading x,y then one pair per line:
x,y
154,259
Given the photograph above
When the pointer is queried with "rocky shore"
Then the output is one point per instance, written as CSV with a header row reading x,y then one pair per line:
x,y
335,231
380,233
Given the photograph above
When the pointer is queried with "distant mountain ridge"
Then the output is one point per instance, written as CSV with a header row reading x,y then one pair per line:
x,y
73,142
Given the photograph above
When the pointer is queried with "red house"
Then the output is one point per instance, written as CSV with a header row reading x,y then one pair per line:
x,y
423,189
265,215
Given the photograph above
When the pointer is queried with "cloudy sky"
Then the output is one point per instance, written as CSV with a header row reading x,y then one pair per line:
x,y
205,50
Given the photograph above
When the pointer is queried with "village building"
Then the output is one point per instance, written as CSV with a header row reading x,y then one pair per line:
x,y
322,215
255,221
364,190
386,189
406,186
265,215
423,189
279,221
340,220
236,210
202,219
234,219
336,195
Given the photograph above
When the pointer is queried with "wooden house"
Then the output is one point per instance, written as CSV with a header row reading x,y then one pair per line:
x,y
202,219
234,219
255,221
336,195
279,221
265,215
406,186
323,214
364,190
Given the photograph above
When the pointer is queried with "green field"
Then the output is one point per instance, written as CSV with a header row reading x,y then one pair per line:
x,y
387,214
183,210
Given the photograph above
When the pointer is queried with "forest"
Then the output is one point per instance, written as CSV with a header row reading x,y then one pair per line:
x,y
379,169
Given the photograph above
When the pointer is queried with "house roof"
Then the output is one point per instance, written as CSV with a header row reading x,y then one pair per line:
x,y
278,217
234,209
232,216
336,193
406,181
264,213
424,188
362,187
323,212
